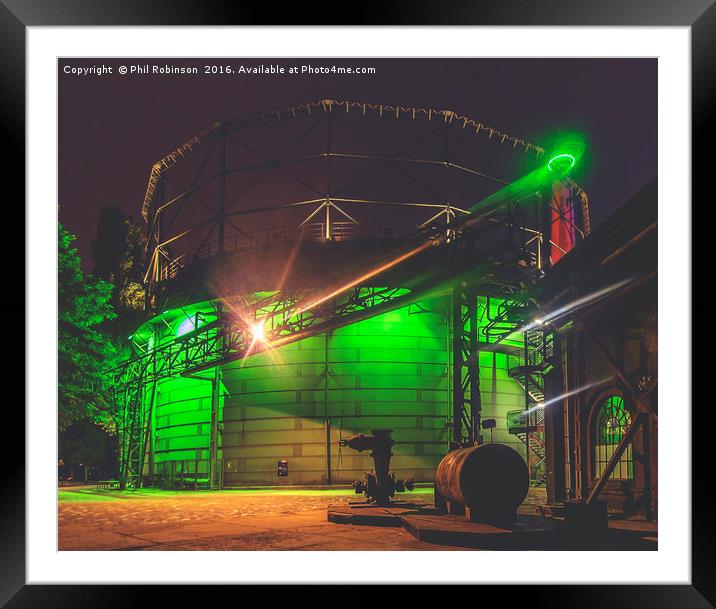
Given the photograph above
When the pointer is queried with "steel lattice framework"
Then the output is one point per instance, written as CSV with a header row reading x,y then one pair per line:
x,y
493,244
329,201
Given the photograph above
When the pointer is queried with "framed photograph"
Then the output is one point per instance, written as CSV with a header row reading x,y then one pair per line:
x,y
367,304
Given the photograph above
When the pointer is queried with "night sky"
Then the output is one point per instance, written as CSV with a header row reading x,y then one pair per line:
x,y
112,128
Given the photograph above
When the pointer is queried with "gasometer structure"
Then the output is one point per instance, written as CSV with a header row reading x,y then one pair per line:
x,y
337,267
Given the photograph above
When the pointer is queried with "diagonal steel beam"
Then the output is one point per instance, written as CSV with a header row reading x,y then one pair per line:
x,y
636,395
615,458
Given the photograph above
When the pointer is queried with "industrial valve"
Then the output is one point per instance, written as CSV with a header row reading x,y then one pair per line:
x,y
380,485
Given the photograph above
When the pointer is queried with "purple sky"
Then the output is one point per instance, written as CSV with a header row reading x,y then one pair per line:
x,y
112,128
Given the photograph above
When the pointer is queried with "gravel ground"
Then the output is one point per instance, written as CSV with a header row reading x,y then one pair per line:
x,y
258,519
91,519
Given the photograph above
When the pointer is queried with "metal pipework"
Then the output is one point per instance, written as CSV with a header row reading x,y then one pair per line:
x,y
489,481
380,486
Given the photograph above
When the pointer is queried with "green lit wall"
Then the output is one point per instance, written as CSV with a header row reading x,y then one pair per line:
x,y
296,402
389,371
499,392
181,413
181,423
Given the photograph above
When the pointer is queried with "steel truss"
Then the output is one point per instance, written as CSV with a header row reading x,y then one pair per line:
x,y
134,428
228,338
229,333
324,106
161,214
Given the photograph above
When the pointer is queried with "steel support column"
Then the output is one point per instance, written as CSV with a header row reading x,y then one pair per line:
x,y
329,178
466,377
154,235
147,445
326,414
651,435
220,217
554,436
135,431
528,401
214,430
571,444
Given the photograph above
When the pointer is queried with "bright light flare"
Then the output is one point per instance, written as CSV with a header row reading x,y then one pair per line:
x,y
552,317
258,342
257,331
568,394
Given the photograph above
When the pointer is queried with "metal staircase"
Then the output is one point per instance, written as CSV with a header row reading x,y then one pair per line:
x,y
529,371
535,442
530,381
536,361
528,426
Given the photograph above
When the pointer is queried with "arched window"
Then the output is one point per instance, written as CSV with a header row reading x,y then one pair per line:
x,y
611,422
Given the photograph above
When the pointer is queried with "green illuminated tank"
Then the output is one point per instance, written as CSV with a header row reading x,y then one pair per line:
x,y
252,224
297,401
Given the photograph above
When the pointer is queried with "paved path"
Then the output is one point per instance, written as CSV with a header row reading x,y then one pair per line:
x,y
91,519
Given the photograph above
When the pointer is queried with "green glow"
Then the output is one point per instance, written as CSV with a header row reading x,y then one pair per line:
x,y
390,371
69,495
566,152
564,146
186,326
182,319
563,159
614,420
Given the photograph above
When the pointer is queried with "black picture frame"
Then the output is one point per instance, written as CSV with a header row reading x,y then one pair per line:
x,y
17,15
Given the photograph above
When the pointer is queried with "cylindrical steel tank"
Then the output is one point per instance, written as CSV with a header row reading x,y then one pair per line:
x,y
255,230
297,401
492,480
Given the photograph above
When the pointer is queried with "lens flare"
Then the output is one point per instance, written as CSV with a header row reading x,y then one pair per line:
x,y
568,394
257,331
557,315
362,278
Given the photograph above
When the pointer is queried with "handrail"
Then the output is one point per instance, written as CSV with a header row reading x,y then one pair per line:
x,y
247,242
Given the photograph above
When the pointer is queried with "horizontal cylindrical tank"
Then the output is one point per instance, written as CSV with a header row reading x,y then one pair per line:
x,y
492,480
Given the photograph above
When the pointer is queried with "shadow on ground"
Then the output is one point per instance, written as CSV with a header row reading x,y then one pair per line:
x,y
286,519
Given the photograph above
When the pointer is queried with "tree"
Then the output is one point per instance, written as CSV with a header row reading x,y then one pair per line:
x,y
118,254
84,446
85,352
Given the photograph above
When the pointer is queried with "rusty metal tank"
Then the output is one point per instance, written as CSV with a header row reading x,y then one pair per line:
x,y
491,480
